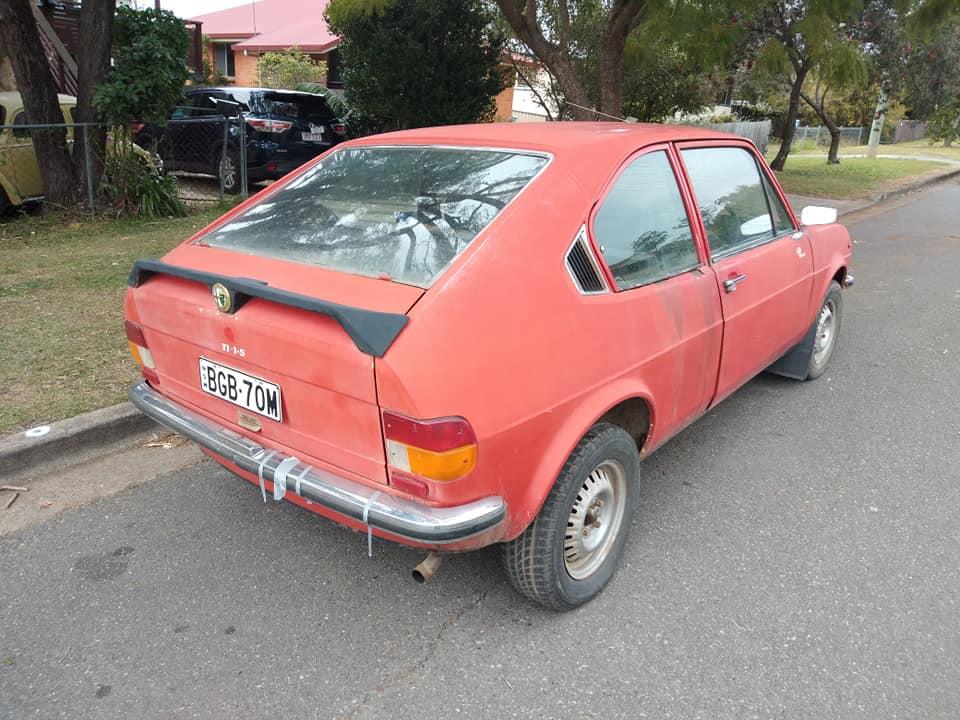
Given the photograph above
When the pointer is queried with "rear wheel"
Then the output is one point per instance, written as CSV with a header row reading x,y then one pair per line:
x,y
228,166
571,549
827,331
5,204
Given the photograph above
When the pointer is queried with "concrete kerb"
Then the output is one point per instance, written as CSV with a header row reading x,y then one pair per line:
x,y
74,440
99,432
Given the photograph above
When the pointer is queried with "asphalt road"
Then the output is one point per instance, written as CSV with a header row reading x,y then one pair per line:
x,y
796,555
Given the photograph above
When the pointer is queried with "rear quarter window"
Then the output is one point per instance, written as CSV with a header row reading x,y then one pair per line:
x,y
404,212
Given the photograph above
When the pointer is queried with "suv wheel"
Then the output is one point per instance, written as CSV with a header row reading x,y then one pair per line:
x,y
228,167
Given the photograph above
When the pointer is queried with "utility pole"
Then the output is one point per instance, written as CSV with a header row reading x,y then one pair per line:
x,y
878,117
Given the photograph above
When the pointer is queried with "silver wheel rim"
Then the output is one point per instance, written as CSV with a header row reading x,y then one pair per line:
x,y
826,331
595,519
228,171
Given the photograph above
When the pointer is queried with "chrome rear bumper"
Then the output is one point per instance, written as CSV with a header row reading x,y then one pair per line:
x,y
404,518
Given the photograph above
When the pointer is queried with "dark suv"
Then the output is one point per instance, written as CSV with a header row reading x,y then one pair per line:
x,y
284,129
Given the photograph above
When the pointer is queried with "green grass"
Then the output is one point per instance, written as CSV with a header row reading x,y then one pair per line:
x,y
62,346
853,177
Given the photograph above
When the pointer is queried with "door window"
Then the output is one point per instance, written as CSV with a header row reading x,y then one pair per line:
x,y
642,226
19,131
782,223
731,197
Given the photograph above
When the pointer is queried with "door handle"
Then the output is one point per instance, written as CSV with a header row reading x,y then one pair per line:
x,y
730,284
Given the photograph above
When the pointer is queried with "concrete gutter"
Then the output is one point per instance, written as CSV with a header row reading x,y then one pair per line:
x,y
101,432
74,440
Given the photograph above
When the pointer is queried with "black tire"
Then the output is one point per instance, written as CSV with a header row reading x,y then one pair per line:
x,y
5,205
228,167
538,562
830,311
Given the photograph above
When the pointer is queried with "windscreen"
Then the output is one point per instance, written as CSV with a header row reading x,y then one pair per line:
x,y
401,212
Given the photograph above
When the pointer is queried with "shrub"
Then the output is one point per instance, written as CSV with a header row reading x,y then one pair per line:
x,y
286,70
134,185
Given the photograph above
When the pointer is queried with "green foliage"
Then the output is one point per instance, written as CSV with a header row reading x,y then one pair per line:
x,y
414,63
945,124
932,80
134,186
150,49
661,78
288,69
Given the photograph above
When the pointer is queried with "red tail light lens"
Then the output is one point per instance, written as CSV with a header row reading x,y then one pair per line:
x,y
339,128
141,354
440,449
135,128
270,126
134,333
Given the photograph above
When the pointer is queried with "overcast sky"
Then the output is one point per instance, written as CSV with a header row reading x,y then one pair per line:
x,y
192,8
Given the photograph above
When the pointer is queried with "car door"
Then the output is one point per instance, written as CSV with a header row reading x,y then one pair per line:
x,y
763,266
669,305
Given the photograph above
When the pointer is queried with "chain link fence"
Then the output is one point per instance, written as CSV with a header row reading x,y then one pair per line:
x,y
819,136
206,157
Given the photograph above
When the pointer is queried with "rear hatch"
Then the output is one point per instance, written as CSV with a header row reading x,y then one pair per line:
x,y
312,118
318,276
326,398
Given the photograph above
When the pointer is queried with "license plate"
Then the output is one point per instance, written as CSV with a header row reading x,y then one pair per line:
x,y
247,391
313,137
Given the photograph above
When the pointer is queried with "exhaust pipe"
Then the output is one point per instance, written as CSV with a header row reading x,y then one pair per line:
x,y
427,567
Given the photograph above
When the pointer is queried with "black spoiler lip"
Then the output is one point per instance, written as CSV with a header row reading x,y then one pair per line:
x,y
372,332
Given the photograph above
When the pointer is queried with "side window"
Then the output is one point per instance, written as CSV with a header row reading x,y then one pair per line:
x,y
18,120
731,197
224,60
642,225
781,218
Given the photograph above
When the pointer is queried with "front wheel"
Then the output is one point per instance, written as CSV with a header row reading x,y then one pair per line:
x,y
827,331
571,549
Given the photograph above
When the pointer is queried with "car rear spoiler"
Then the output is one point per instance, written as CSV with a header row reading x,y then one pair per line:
x,y
372,332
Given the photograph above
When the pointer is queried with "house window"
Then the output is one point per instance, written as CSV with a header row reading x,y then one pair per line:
x,y
223,59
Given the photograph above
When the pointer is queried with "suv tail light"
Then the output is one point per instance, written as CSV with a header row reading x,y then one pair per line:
x,y
141,354
270,126
441,449
339,128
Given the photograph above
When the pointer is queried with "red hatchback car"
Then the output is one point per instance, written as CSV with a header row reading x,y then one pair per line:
x,y
460,336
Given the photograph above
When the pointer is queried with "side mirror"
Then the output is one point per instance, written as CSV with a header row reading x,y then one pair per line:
x,y
759,225
816,215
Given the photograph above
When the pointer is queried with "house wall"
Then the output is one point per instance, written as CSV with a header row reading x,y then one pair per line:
x,y
504,105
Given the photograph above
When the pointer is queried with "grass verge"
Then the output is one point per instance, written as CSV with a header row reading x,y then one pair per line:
x,y
853,177
62,345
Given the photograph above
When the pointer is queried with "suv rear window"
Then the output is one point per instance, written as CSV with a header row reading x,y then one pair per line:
x,y
291,105
405,212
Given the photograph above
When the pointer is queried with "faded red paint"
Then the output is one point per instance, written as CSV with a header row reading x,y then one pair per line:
x,y
503,338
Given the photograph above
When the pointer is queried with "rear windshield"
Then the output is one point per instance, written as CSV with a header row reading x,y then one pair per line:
x,y
291,105
404,212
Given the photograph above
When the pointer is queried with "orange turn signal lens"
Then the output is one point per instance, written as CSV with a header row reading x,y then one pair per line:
x,y
441,449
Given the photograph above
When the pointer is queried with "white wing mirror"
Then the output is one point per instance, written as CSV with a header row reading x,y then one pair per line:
x,y
817,215
757,226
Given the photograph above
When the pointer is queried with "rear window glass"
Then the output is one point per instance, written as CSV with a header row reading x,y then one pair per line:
x,y
405,212
290,105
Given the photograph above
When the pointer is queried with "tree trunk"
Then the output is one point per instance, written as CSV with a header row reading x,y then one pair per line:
x,y
793,110
93,64
21,38
819,107
621,20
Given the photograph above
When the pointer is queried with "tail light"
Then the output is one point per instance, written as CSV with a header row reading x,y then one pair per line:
x,y
270,126
141,354
441,449
135,128
339,128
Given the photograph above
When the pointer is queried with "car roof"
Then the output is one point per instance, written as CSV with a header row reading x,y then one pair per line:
x,y
236,88
10,98
556,138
